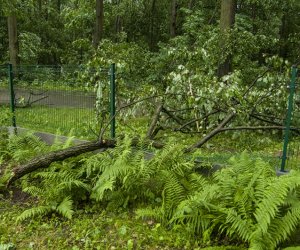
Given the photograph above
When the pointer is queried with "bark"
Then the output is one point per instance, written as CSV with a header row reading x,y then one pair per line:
x,y
175,118
58,5
258,128
210,135
198,119
44,161
227,14
257,116
40,6
155,119
118,24
98,35
152,21
173,25
191,4
118,21
13,40
284,34
227,19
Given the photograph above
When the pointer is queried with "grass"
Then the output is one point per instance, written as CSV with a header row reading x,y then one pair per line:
x,y
78,121
91,229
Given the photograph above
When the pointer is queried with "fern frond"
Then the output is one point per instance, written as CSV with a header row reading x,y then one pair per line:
x,y
156,214
101,187
173,193
34,191
74,183
28,141
65,208
35,211
275,196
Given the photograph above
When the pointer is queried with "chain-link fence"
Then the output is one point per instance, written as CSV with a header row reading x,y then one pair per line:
x,y
55,99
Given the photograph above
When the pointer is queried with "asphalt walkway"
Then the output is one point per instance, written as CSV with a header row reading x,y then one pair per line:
x,y
52,98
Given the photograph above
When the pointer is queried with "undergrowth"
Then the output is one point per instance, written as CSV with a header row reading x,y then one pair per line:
x,y
244,203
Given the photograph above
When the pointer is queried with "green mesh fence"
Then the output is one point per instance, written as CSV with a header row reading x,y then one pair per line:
x,y
55,99
291,147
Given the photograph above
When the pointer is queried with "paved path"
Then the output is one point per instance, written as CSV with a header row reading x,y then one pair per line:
x,y
53,98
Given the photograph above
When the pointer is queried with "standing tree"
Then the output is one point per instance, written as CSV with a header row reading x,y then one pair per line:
x,y
227,19
173,24
98,34
13,40
152,24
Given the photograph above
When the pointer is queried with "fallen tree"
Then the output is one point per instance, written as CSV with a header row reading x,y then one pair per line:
x,y
45,161
101,144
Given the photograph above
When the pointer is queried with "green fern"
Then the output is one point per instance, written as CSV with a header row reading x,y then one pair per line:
x,y
124,173
156,213
34,212
65,208
23,147
247,202
61,183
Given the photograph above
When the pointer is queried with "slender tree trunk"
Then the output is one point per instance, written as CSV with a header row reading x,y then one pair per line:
x,y
98,35
173,23
155,119
13,40
118,21
58,5
283,37
191,4
228,8
118,24
152,21
40,6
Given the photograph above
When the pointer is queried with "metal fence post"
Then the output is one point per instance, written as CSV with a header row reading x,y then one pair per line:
x,y
112,101
288,118
12,94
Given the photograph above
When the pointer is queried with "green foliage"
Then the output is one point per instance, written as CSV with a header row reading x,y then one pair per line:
x,y
5,114
244,201
129,175
24,147
30,47
65,208
7,246
247,202
57,187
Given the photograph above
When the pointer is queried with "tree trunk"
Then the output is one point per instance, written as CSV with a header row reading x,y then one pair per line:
x,y
152,21
173,18
58,5
98,35
118,21
13,40
40,6
284,34
154,121
214,132
118,24
44,161
191,4
228,8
